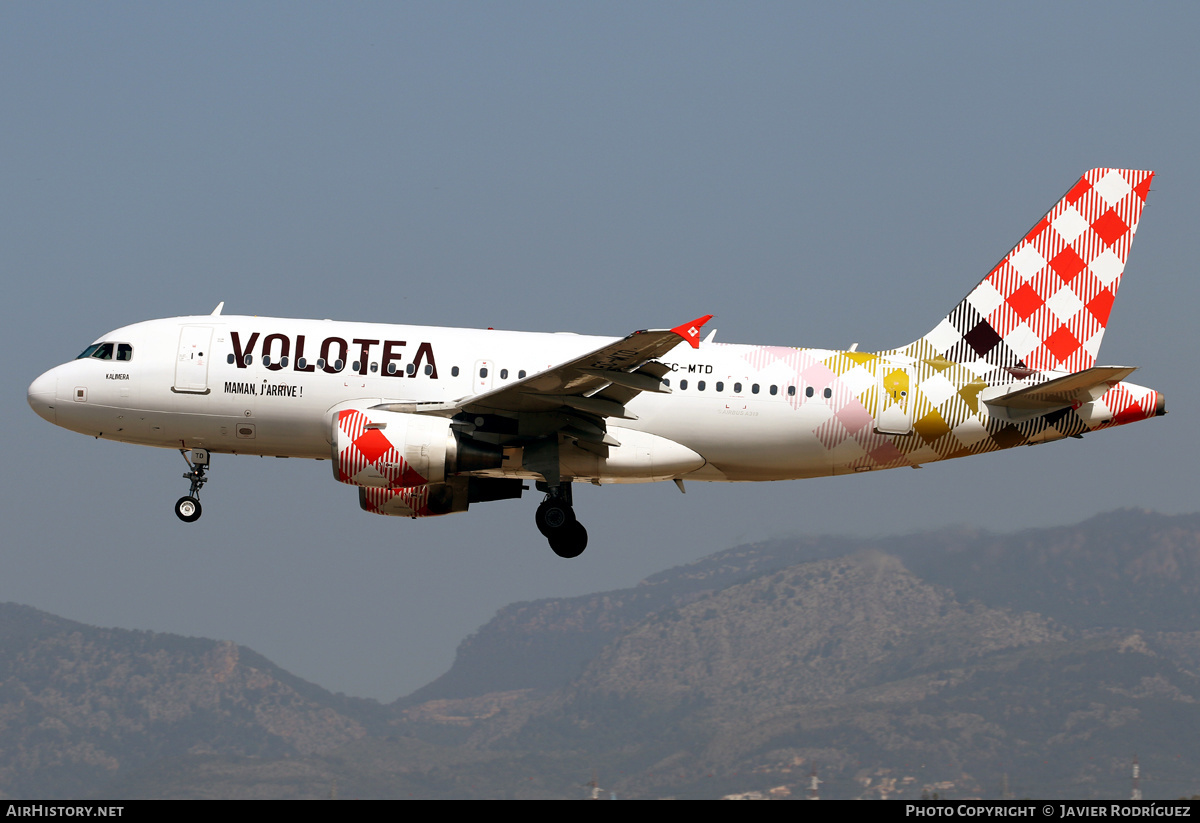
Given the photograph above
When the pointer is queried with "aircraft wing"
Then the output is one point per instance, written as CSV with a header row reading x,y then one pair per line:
x,y
1072,389
599,383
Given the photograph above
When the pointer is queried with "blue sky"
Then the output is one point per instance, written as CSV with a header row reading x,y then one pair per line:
x,y
812,174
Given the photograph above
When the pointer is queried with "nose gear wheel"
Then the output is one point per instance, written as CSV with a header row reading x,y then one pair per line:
x,y
188,508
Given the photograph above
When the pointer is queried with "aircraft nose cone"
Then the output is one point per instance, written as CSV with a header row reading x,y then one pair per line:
x,y
41,396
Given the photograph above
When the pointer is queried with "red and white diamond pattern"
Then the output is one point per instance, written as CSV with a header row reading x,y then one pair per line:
x,y
410,502
367,458
1046,304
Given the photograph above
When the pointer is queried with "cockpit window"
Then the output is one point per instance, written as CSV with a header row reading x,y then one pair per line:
x,y
100,351
104,351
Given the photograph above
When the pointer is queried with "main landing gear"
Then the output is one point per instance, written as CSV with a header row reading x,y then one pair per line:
x,y
188,508
556,521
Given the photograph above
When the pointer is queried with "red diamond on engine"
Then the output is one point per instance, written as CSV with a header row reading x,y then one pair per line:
x,y
372,443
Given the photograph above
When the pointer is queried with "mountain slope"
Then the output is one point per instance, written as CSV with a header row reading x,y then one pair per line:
x,y
79,704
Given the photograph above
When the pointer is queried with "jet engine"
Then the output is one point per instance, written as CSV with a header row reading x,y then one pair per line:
x,y
394,450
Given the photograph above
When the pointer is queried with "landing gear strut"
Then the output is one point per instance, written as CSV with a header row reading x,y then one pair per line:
x,y
188,508
556,521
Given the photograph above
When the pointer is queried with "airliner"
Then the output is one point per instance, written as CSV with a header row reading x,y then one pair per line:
x,y
427,421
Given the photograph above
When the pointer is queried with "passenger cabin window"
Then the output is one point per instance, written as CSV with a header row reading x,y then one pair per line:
x,y
454,371
828,393
754,389
791,391
737,388
483,372
320,362
808,391
428,368
374,368
683,385
774,390
520,374
301,362
504,374
411,369
391,368
720,386
230,359
700,386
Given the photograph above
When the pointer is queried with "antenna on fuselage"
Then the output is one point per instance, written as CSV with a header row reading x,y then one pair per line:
x,y
217,310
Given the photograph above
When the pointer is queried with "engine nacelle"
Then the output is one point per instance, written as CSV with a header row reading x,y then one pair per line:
x,y
393,450
455,495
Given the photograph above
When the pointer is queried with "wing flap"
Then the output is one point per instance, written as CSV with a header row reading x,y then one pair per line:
x,y
635,380
621,391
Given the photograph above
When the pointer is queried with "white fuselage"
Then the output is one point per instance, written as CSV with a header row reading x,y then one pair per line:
x,y
188,385
275,386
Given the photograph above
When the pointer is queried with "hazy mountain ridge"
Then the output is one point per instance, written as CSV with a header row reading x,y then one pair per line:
x,y
770,641
545,643
1123,568
78,703
852,615
891,663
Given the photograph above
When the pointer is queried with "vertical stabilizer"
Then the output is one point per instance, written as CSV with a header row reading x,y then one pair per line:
x,y
1045,305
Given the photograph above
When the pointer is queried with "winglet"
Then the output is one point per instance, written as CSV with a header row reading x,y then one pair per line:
x,y
691,331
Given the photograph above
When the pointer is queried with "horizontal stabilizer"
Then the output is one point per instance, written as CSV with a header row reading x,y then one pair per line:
x,y
1069,390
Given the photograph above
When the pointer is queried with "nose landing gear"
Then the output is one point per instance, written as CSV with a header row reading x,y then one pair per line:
x,y
188,508
555,519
